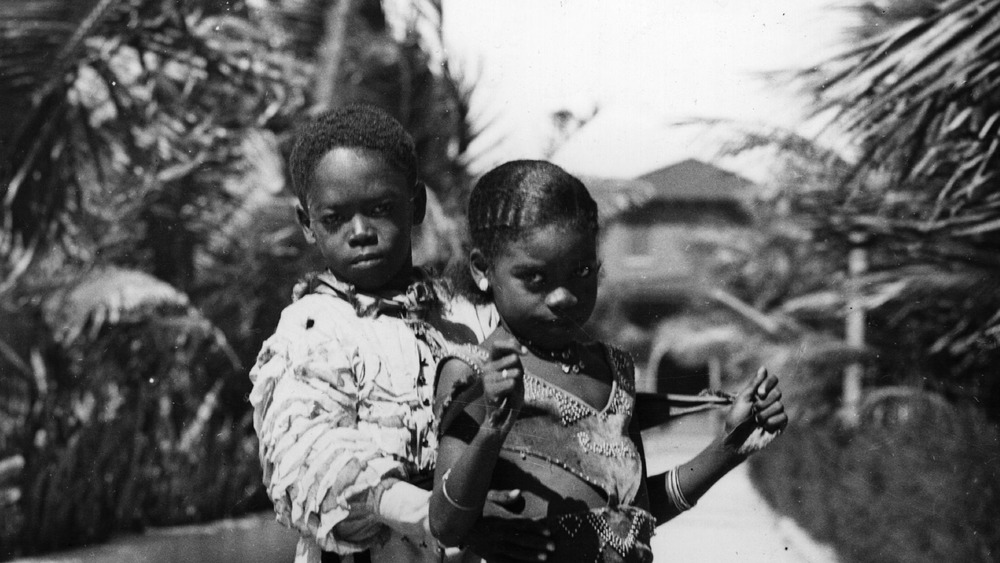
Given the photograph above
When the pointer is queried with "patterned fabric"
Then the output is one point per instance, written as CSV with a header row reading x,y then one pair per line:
x,y
342,396
559,428
603,535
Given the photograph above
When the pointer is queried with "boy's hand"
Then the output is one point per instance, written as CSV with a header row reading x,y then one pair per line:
x,y
758,405
506,540
503,384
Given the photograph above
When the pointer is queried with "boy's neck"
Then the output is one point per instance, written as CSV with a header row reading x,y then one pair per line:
x,y
399,282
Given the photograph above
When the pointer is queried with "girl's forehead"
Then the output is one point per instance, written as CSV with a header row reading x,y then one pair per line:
x,y
552,242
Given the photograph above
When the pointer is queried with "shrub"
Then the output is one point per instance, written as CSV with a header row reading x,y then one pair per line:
x,y
917,486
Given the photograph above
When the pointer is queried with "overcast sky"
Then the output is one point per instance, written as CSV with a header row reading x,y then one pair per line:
x,y
646,63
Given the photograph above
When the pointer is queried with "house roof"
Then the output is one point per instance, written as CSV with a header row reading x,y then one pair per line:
x,y
616,195
694,180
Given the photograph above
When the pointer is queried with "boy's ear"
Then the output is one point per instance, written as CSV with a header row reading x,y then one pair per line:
x,y
478,268
303,218
419,202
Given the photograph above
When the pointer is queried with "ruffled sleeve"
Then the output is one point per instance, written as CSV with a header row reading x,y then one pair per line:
x,y
324,472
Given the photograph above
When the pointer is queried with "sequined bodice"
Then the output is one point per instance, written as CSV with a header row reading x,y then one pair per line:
x,y
562,429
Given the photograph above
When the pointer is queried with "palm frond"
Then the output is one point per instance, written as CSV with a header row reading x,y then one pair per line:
x,y
108,296
150,94
920,99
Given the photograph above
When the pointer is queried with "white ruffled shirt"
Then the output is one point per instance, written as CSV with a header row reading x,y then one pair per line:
x,y
342,398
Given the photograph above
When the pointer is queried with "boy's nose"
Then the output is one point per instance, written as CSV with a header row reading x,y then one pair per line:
x,y
560,299
362,233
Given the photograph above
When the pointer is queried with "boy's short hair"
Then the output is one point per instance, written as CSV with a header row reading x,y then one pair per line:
x,y
355,126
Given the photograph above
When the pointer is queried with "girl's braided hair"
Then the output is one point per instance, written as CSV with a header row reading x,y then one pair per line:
x,y
355,126
519,196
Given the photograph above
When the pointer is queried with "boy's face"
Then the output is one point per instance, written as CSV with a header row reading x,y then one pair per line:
x,y
360,214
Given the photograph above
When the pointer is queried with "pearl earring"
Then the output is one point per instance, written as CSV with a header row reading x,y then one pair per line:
x,y
484,284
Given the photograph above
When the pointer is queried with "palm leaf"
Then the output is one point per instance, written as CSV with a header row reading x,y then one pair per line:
x,y
108,296
145,94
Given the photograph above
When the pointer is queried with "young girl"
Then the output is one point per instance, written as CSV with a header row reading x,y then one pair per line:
x,y
540,408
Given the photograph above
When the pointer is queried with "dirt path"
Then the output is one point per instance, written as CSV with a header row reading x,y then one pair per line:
x,y
732,522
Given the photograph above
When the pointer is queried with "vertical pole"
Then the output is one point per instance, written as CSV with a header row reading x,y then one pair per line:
x,y
326,91
857,265
715,383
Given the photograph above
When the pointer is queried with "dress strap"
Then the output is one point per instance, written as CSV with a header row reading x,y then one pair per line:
x,y
623,366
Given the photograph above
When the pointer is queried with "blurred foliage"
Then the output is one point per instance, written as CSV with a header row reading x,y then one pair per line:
x,y
919,101
149,243
916,481
915,98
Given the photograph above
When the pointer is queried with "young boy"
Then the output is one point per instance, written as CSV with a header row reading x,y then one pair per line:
x,y
342,391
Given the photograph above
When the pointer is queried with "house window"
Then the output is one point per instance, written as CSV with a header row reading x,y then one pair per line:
x,y
638,247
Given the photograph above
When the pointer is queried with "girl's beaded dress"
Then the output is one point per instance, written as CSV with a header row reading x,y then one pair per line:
x,y
559,428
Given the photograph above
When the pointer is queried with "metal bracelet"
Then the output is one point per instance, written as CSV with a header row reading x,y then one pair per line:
x,y
673,486
457,505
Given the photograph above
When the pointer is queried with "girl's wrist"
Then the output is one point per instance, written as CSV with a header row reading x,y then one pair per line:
x,y
727,454
489,434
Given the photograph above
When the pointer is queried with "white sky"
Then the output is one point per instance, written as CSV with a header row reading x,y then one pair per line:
x,y
646,63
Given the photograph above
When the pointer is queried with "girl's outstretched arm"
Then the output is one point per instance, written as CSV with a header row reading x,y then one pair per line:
x,y
474,427
677,490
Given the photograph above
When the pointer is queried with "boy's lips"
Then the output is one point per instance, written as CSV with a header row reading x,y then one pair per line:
x,y
366,259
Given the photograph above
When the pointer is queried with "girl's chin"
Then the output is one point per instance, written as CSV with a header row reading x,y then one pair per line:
x,y
552,336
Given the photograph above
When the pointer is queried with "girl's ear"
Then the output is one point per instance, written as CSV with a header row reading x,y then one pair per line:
x,y
419,202
303,218
479,269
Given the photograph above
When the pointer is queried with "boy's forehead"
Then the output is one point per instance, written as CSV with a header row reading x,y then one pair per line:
x,y
347,174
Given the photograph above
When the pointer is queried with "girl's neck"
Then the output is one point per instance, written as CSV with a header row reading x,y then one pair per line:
x,y
569,356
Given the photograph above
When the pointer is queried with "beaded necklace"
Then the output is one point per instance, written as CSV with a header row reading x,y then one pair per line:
x,y
570,359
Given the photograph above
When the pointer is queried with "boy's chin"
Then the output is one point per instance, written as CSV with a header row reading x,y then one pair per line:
x,y
376,277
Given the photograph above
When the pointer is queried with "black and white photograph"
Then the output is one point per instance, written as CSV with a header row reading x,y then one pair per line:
x,y
499,281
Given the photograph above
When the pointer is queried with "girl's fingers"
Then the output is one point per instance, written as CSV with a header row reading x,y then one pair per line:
x,y
509,347
503,362
772,397
753,389
772,410
776,422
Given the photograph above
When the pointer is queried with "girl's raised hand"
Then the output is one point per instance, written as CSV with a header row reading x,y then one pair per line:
x,y
758,405
503,384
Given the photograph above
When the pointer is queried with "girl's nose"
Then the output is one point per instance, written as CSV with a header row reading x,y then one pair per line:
x,y
362,233
560,299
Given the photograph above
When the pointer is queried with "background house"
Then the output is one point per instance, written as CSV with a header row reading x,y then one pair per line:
x,y
665,238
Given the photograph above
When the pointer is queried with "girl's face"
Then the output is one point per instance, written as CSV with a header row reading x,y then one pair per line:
x,y
545,284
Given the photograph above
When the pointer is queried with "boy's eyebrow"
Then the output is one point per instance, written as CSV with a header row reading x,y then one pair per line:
x,y
360,201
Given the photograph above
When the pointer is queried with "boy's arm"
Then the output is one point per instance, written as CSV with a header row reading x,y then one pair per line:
x,y
326,476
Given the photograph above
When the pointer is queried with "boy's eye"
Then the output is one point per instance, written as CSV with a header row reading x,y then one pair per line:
x,y
382,210
587,270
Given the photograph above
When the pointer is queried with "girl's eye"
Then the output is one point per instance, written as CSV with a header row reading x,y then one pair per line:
x,y
331,220
588,270
533,281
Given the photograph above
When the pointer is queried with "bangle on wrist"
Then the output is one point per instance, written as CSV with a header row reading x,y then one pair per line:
x,y
454,503
674,492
